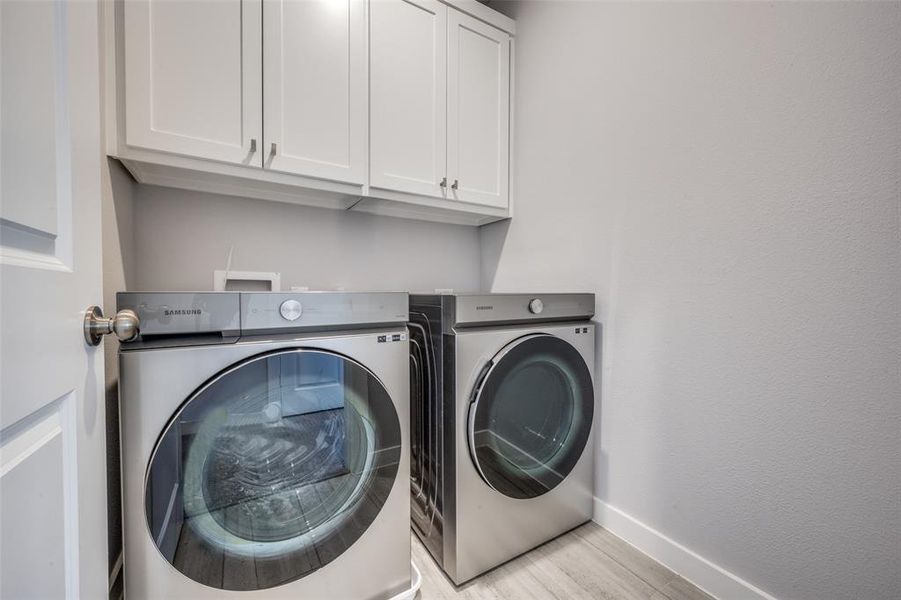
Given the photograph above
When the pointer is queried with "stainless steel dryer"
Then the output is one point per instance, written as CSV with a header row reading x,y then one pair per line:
x,y
502,403
265,445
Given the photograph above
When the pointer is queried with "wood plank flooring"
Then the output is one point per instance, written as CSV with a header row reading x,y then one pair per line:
x,y
588,562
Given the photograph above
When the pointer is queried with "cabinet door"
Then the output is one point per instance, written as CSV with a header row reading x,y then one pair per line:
x,y
408,73
193,78
314,57
478,111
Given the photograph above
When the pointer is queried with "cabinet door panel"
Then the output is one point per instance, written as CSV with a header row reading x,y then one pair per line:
x,y
478,111
315,88
408,73
193,77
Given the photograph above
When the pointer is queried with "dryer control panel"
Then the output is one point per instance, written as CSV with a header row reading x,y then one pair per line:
x,y
479,310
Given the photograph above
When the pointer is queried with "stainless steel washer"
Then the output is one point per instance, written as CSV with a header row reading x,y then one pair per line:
x,y
265,445
502,401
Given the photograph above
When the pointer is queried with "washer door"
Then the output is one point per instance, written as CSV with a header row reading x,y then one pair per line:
x,y
530,417
272,469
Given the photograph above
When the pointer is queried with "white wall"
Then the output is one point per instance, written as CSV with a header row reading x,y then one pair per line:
x,y
725,176
182,236
117,217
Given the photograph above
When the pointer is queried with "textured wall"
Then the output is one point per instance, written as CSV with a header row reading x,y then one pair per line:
x,y
183,236
726,177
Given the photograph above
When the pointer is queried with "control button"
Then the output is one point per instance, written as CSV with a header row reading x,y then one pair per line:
x,y
291,310
536,306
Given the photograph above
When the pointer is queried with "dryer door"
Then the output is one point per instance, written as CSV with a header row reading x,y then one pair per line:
x,y
531,415
272,469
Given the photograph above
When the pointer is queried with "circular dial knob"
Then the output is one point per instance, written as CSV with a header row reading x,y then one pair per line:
x,y
536,306
291,310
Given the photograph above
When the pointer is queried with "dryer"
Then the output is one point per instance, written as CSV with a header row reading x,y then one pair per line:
x,y
265,445
502,404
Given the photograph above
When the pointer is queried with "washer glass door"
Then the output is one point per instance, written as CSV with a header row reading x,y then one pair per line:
x,y
530,417
272,469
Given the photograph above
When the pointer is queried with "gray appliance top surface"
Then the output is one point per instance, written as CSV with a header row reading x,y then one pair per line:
x,y
472,310
227,315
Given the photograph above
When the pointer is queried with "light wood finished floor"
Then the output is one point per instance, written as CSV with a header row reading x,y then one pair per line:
x,y
588,562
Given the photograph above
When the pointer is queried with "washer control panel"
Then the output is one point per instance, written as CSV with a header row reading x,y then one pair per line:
x,y
227,315
296,311
290,310
392,337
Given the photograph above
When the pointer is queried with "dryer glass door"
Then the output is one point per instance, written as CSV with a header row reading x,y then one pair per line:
x,y
272,469
530,417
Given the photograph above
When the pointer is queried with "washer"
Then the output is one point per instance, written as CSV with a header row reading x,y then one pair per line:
x,y
502,403
265,445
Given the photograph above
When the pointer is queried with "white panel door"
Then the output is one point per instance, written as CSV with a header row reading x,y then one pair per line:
x,y
478,111
193,78
53,541
407,112
314,61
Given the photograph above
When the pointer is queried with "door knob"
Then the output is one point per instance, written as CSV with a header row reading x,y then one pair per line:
x,y
126,325
455,184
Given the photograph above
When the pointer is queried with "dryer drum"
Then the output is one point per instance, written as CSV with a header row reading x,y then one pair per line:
x,y
531,416
272,469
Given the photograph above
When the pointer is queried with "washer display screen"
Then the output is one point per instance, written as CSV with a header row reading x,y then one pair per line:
x,y
272,469
531,416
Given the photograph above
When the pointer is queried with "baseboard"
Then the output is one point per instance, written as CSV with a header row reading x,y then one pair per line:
x,y
704,573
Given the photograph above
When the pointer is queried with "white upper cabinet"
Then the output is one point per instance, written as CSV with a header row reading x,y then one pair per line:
x,y
408,95
314,88
478,111
193,78
440,103
396,107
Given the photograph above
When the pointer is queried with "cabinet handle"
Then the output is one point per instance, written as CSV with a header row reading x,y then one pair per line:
x,y
253,145
274,147
443,182
455,184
